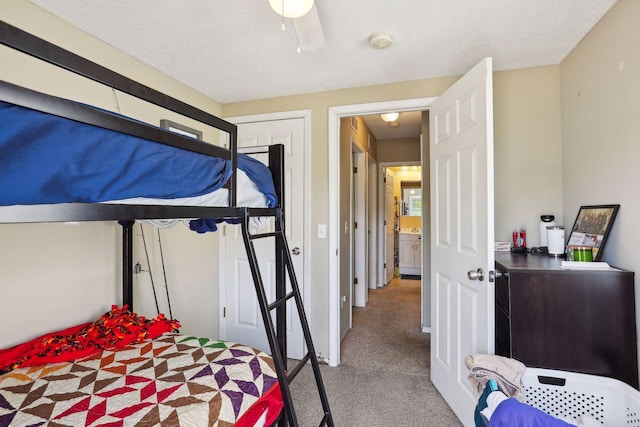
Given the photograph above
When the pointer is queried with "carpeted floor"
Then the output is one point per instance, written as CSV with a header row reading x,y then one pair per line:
x,y
383,378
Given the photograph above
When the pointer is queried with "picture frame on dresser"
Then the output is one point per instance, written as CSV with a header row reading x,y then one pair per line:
x,y
592,227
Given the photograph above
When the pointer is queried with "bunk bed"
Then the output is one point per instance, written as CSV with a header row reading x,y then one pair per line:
x,y
102,172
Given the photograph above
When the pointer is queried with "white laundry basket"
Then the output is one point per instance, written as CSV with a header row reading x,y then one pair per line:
x,y
568,394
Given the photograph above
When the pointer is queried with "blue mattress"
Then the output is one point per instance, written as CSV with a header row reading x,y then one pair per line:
x,y
46,159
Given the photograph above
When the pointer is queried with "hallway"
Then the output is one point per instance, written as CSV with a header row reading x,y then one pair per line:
x,y
383,378
386,335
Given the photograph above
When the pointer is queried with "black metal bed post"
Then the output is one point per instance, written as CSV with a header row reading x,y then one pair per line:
x,y
233,147
276,162
281,312
127,263
281,292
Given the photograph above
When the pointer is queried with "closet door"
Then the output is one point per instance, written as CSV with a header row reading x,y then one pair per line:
x,y
242,321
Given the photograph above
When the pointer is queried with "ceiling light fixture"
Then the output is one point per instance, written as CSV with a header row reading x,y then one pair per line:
x,y
391,118
291,8
306,22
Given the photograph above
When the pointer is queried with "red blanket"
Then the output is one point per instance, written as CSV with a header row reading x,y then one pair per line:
x,y
116,328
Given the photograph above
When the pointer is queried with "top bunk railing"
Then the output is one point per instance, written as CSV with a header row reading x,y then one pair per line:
x,y
29,44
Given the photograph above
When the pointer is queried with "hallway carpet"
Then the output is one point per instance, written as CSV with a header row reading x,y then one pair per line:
x,y
383,378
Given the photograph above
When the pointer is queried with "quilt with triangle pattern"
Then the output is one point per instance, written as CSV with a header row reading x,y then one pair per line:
x,y
173,380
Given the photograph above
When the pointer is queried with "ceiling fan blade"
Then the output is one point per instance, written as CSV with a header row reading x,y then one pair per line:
x,y
309,31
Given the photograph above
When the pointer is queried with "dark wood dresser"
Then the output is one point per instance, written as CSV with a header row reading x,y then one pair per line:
x,y
570,320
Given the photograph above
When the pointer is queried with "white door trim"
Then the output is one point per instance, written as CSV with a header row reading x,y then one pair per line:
x,y
334,115
303,282
359,235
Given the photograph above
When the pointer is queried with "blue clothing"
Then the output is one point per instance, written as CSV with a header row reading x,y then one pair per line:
x,y
512,413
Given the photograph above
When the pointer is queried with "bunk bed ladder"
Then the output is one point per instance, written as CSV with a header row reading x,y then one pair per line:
x,y
277,338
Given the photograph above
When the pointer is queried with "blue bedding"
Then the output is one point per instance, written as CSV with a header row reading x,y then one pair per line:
x,y
47,159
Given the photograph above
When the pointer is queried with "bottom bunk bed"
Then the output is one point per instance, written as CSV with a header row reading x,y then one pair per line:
x,y
125,370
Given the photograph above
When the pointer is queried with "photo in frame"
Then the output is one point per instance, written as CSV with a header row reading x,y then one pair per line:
x,y
592,227
354,124
181,129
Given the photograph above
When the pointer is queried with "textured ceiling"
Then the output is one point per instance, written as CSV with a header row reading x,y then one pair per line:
x,y
233,50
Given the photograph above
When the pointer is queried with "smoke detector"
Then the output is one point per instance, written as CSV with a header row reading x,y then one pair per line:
x,y
380,40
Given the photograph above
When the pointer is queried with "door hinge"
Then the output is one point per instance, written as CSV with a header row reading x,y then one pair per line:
x,y
355,169
385,265
355,224
224,312
355,280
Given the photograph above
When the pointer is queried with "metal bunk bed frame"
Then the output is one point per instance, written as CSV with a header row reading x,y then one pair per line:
x,y
126,215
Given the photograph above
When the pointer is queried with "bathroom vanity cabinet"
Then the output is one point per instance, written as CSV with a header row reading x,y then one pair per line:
x,y
410,253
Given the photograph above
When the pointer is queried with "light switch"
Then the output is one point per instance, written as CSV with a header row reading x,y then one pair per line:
x,y
322,231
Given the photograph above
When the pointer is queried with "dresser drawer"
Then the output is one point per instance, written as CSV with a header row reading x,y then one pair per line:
x,y
502,292
503,333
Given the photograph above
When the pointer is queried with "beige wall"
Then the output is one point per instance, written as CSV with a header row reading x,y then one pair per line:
x,y
600,92
534,172
527,150
399,150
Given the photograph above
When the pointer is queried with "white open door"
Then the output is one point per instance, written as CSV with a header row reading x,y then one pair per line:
x,y
461,163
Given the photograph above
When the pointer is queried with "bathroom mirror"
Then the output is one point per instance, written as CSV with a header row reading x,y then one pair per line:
x,y
411,198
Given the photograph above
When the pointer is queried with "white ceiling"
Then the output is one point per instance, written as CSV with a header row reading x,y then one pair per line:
x,y
234,50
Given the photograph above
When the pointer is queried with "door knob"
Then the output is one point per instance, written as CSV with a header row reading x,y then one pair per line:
x,y
476,274
295,251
